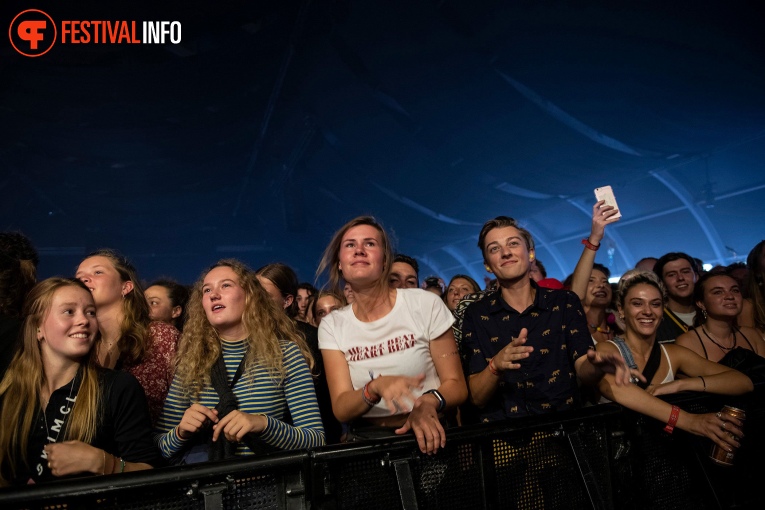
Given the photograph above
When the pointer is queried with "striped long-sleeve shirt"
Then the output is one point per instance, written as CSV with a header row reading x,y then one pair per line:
x,y
257,393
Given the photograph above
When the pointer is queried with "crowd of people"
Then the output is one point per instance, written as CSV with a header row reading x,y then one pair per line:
x,y
100,376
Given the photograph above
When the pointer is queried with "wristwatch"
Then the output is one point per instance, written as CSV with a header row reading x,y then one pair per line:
x,y
441,399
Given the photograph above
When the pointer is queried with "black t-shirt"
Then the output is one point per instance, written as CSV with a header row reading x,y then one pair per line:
x,y
124,428
670,327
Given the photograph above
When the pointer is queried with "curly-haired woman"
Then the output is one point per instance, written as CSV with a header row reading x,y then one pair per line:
x,y
242,368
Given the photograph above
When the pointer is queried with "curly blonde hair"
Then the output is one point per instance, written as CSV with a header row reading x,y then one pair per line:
x,y
266,325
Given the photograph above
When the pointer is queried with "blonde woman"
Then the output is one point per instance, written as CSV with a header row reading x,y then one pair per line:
x,y
326,303
242,368
129,339
391,360
61,414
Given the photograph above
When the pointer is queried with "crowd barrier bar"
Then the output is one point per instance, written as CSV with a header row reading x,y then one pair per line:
x,y
601,457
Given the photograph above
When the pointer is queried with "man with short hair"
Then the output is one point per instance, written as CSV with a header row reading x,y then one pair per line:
x,y
524,346
678,272
404,273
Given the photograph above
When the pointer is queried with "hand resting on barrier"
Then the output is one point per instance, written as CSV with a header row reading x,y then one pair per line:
x,y
424,422
76,457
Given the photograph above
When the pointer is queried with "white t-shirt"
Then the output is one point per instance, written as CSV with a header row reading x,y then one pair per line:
x,y
687,318
397,344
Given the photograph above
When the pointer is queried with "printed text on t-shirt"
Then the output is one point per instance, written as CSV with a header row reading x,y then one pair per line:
x,y
399,343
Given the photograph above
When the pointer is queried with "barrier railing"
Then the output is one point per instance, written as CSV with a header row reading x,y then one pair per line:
x,y
601,457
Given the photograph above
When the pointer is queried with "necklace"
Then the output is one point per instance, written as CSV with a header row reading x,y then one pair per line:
x,y
735,342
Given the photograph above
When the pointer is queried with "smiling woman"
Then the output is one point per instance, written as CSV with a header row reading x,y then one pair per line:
x,y
61,414
641,303
717,336
242,369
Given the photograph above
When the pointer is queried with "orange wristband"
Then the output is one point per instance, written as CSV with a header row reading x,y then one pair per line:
x,y
492,368
589,245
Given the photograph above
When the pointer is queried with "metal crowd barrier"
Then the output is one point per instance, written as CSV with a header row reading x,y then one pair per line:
x,y
600,457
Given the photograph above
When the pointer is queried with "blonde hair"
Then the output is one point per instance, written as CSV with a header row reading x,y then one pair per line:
x,y
330,260
22,385
266,325
634,277
339,296
134,341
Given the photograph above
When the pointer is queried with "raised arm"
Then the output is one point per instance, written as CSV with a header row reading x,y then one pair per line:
x,y
602,215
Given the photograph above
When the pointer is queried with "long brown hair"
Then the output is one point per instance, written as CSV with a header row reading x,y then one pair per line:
x,y
285,279
265,323
22,385
331,258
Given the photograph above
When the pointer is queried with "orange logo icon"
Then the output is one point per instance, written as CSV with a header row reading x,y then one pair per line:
x,y
32,33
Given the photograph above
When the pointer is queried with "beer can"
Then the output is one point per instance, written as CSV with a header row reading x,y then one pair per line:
x,y
719,455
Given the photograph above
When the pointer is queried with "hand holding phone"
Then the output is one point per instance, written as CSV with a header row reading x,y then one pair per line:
x,y
606,193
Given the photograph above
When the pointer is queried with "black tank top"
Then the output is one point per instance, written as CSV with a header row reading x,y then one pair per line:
x,y
735,330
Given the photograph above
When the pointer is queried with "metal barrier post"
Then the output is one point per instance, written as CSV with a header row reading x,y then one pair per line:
x,y
405,482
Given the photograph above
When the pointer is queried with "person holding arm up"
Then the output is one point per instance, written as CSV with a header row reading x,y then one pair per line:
x,y
590,280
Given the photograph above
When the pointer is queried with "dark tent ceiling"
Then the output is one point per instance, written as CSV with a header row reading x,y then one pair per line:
x,y
274,122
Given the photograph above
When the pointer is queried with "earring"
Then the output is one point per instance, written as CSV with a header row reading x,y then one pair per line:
x,y
487,268
621,316
704,313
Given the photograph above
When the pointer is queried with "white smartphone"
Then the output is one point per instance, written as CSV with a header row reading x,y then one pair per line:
x,y
607,193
